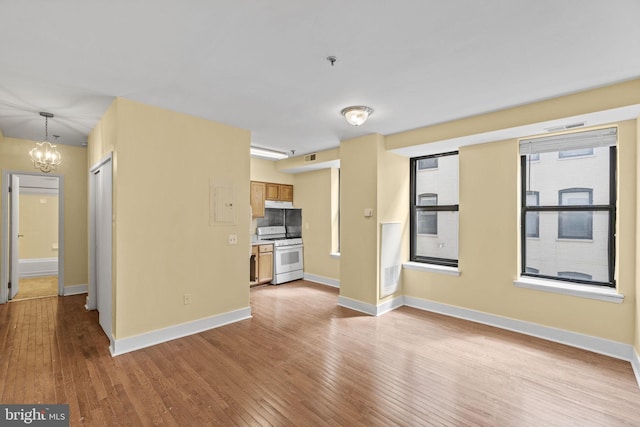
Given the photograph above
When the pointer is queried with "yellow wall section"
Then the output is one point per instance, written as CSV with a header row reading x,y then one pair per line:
x,y
164,245
313,195
266,171
14,156
359,234
609,97
393,197
489,251
39,226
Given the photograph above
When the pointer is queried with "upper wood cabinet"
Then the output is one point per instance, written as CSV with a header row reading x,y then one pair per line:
x,y
261,191
258,195
279,192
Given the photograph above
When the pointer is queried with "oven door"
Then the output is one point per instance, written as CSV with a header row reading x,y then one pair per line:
x,y
287,258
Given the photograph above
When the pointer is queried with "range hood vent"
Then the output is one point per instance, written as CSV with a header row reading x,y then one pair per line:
x,y
310,158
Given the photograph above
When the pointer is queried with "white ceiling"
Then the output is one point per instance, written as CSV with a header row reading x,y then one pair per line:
x,y
261,65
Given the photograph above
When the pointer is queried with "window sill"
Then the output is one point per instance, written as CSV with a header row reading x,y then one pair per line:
x,y
335,255
573,289
431,268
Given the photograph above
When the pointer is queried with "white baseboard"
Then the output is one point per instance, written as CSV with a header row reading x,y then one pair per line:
x,y
125,345
75,290
635,364
334,283
370,309
37,267
610,348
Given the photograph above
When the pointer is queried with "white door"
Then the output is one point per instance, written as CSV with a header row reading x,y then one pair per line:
x,y
103,213
15,230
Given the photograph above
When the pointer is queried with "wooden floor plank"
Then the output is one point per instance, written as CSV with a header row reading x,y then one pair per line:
x,y
303,360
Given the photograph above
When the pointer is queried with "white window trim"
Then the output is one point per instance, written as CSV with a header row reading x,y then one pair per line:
x,y
431,268
596,292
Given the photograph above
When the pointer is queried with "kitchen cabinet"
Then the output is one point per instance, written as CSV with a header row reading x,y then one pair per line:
x,y
258,195
261,264
261,191
279,192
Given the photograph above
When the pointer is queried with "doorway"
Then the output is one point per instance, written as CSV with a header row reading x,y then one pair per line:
x,y
100,243
33,252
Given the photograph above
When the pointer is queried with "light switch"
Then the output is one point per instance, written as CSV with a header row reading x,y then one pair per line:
x,y
368,212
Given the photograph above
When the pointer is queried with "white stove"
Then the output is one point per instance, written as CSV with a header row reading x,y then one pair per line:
x,y
287,253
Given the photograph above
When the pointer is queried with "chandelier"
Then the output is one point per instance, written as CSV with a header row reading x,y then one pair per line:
x,y
44,155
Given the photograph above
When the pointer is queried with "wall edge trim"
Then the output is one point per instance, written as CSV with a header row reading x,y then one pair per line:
x,y
75,290
334,283
158,336
370,309
598,345
635,365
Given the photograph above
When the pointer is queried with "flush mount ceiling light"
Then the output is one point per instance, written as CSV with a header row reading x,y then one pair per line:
x,y
357,114
267,154
44,155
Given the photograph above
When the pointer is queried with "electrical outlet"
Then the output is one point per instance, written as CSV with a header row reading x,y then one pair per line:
x,y
187,299
233,239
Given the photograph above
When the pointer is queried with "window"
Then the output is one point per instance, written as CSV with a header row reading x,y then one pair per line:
x,y
575,153
428,163
533,220
575,225
428,221
434,209
572,212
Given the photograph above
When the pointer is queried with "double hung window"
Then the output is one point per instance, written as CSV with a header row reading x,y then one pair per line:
x,y
434,209
569,206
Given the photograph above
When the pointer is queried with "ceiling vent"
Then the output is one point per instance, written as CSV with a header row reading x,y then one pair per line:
x,y
565,127
310,158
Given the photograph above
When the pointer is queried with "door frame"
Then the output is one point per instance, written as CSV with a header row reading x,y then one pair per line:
x,y
4,263
92,297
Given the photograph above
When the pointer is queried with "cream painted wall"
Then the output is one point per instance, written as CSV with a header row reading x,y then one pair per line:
x,y
266,171
604,98
164,246
489,251
359,234
393,198
313,195
14,156
39,226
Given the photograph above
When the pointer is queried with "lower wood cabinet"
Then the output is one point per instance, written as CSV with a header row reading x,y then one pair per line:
x,y
261,264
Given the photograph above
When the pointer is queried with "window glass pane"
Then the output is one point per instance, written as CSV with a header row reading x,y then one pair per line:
x,y
551,255
550,175
442,181
445,243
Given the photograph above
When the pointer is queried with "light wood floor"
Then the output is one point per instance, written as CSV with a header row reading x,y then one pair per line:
x,y
37,287
303,361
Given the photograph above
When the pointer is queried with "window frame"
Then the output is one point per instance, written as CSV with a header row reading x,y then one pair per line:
x,y
610,208
415,208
